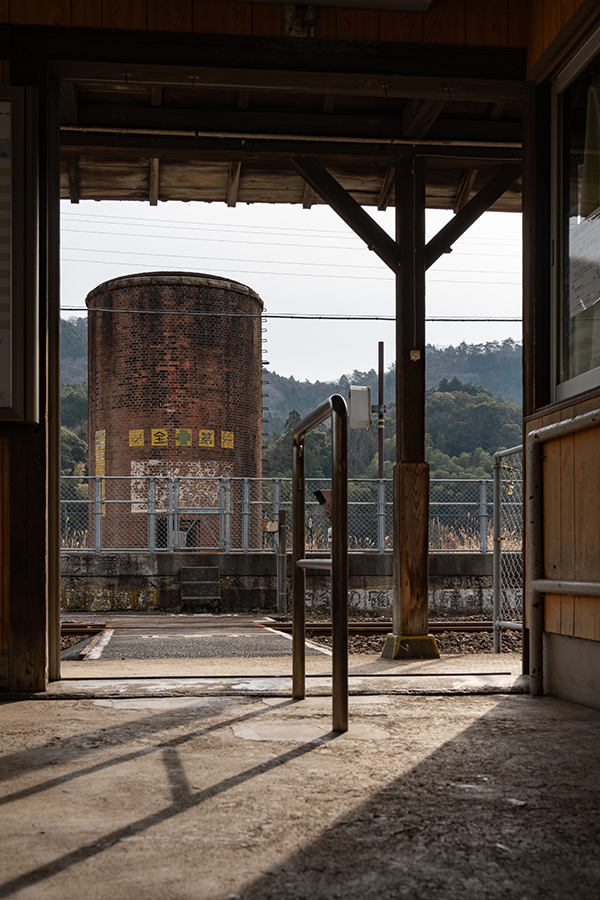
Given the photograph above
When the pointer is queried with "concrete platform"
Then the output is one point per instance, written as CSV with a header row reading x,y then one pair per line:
x,y
427,797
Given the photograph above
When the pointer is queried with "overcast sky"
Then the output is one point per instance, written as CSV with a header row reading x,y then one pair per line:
x,y
300,261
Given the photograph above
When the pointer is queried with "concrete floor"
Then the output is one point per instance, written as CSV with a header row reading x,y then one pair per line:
x,y
212,784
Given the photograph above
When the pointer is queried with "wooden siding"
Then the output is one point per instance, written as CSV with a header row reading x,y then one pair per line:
x,y
546,19
571,534
495,23
4,570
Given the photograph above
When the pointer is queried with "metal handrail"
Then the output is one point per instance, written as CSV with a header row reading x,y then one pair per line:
x,y
336,409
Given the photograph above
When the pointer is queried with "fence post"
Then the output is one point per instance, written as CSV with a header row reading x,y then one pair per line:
x,y
245,514
98,513
170,514
281,563
381,515
483,515
497,561
221,513
176,525
276,497
152,513
227,515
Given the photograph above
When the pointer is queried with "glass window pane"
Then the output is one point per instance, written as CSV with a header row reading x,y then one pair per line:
x,y
580,331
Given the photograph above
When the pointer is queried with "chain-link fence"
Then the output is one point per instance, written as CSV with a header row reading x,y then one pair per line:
x,y
162,513
508,542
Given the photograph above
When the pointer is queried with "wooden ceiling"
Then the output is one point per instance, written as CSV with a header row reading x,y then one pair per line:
x,y
221,134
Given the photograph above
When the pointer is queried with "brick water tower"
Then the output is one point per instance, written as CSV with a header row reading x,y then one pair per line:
x,y
175,402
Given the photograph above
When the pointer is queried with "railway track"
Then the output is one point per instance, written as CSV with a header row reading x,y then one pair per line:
x,y
375,628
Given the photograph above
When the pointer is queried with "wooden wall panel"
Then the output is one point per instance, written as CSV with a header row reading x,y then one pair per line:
x,y
403,27
486,23
444,23
571,522
87,15
518,23
125,14
4,10
4,523
40,12
170,15
587,492
536,31
215,17
4,72
357,24
267,20
325,25
552,613
587,618
566,525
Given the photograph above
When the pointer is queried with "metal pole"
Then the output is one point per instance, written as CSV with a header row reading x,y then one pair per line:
x,y
381,421
227,515
245,514
152,513
497,561
170,514
176,517
281,563
339,559
535,565
221,513
98,513
298,574
483,515
381,515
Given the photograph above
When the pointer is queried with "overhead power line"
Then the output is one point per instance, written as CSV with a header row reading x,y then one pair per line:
x,y
305,316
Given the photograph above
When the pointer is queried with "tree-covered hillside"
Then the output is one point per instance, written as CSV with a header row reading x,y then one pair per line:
x,y
466,425
496,365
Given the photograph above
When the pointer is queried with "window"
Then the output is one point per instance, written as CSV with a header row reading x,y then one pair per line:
x,y
577,163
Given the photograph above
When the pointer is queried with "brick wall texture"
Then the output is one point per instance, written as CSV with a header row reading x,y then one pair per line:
x,y
172,393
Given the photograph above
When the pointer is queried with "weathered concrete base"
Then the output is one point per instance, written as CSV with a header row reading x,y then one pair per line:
x,y
572,669
139,580
411,647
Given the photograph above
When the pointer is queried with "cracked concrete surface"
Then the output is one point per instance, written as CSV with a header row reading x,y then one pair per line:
x,y
216,797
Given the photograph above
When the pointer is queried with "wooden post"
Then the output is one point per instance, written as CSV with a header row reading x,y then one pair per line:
x,y
410,639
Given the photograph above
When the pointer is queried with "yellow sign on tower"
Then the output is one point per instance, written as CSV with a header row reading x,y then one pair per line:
x,y
206,438
160,437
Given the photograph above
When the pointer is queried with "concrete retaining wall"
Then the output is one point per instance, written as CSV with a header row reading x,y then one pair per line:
x,y
141,580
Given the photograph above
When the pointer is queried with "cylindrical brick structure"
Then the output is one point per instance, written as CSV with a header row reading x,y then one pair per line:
x,y
174,369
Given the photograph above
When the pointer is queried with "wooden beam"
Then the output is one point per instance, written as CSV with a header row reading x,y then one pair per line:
x,y
328,103
497,110
233,183
156,95
69,104
243,99
73,170
419,116
464,189
126,145
386,188
383,86
223,122
463,220
349,210
153,188
411,472
308,198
